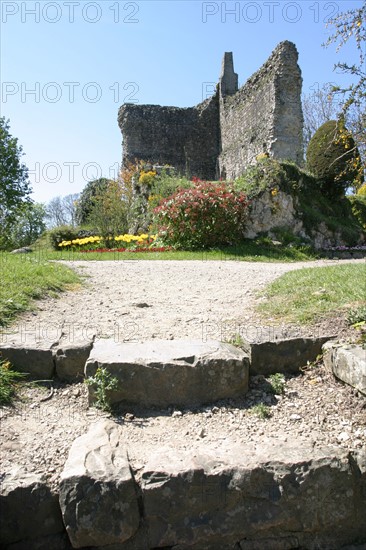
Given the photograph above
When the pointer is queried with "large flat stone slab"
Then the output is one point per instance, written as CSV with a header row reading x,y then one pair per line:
x,y
171,372
97,492
282,355
348,363
28,508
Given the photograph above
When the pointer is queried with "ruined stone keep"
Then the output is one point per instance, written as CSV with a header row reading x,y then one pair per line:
x,y
224,134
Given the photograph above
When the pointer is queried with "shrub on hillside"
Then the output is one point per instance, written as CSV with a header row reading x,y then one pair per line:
x,y
358,203
267,173
206,215
362,191
332,156
62,233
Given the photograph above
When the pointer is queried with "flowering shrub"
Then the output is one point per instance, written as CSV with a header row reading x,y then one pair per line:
x,y
92,244
147,178
208,214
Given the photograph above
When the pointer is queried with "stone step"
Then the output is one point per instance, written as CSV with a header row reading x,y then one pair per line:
x,y
65,357
348,363
44,358
284,355
279,495
98,496
170,372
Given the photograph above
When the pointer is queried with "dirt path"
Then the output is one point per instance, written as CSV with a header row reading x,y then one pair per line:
x,y
137,300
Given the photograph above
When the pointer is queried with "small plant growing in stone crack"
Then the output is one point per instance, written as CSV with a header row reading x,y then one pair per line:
x,y
277,382
261,410
236,341
102,382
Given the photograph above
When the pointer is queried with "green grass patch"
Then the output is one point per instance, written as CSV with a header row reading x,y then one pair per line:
x,y
309,294
259,250
27,277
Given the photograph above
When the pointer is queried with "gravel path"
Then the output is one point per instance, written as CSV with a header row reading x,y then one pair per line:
x,y
137,300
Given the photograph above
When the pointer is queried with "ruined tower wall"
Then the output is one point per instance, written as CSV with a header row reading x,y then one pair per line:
x,y
188,139
223,135
264,116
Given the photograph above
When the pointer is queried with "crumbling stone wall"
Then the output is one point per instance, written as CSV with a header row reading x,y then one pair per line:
x,y
188,139
264,116
223,135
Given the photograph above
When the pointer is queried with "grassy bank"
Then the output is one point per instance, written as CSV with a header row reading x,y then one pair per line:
x,y
305,295
25,278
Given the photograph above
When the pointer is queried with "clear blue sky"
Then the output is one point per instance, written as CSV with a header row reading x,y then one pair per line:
x,y
83,59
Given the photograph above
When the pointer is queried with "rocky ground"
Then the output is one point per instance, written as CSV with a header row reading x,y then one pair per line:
x,y
181,299
37,434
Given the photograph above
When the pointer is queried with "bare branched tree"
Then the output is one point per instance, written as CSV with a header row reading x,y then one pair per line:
x,y
62,211
350,26
322,105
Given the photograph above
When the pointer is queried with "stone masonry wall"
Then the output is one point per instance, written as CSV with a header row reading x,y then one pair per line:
x,y
223,135
264,116
187,139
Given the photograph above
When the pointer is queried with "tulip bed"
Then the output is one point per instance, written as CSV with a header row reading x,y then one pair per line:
x,y
131,243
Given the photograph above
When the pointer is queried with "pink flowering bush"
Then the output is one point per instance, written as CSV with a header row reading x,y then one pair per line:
x,y
205,215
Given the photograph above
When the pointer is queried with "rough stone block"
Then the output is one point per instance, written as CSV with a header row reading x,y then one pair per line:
x,y
35,359
70,359
348,363
285,356
28,508
60,541
97,492
171,372
274,493
285,543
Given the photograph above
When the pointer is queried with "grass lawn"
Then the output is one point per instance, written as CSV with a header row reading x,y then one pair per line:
x,y
305,295
250,251
26,277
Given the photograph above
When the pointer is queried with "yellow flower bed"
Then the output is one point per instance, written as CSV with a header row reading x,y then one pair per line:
x,y
127,239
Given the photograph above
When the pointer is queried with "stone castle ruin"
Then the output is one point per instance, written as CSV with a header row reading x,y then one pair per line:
x,y
224,134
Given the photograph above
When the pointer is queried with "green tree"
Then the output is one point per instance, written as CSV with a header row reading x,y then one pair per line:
x,y
29,225
109,211
333,158
14,183
85,203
